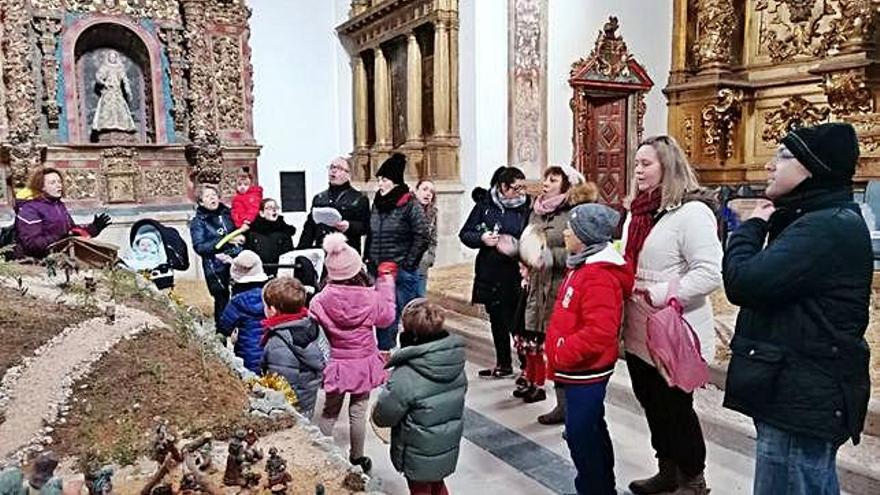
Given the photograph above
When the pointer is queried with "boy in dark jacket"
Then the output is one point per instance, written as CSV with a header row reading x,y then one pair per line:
x,y
800,360
242,319
290,341
423,401
582,340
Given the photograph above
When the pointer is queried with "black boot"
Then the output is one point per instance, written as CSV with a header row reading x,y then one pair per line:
x,y
691,485
364,462
523,390
557,415
662,482
535,394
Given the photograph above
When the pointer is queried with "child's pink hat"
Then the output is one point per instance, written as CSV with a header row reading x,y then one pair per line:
x,y
343,261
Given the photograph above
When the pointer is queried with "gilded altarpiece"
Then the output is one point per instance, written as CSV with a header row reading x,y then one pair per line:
x,y
404,60
746,72
135,102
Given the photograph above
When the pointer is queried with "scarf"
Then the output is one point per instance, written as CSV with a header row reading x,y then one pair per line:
x,y
506,203
577,259
643,212
270,323
387,202
548,204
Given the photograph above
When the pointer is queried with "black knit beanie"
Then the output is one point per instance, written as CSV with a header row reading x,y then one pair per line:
x,y
829,151
392,168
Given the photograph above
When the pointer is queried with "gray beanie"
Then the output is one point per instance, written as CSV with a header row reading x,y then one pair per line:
x,y
593,223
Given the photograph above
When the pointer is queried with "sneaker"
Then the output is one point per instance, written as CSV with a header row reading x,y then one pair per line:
x,y
535,395
364,462
522,391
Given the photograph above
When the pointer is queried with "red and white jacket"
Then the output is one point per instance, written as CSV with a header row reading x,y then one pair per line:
x,y
583,336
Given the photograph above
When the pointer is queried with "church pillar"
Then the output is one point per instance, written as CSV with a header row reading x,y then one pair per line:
x,y
382,94
441,80
453,77
414,143
361,152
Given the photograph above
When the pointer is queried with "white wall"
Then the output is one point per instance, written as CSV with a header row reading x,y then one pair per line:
x,y
302,90
646,26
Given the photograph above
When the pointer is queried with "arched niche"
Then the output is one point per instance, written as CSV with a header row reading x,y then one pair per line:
x,y
86,45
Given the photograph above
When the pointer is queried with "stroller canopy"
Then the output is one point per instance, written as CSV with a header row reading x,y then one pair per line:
x,y
170,247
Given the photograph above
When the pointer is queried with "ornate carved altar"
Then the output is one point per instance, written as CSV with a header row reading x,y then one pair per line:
x,y
608,108
135,101
745,72
404,59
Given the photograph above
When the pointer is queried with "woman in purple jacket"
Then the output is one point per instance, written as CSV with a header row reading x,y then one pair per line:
x,y
44,220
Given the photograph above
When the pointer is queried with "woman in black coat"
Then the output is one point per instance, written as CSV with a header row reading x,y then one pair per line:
x,y
270,236
493,227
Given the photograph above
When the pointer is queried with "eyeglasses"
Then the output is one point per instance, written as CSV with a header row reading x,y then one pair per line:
x,y
337,168
519,188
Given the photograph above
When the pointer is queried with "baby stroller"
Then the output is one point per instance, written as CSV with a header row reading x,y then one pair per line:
x,y
156,251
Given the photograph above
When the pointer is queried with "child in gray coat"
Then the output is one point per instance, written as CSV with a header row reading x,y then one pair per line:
x,y
290,340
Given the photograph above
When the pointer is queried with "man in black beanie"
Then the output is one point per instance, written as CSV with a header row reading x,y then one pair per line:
x,y
800,360
399,234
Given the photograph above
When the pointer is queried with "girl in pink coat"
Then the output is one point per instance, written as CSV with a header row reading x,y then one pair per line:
x,y
349,309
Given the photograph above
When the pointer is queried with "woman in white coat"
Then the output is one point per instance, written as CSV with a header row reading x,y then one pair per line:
x,y
670,235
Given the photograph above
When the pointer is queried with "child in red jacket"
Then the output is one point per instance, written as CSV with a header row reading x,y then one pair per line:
x,y
245,205
582,340
246,202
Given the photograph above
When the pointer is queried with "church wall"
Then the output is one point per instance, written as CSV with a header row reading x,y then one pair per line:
x,y
573,26
302,91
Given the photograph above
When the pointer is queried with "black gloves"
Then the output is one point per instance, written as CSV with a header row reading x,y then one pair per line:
x,y
101,222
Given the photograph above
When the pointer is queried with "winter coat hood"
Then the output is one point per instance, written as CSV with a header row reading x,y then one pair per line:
x,y
349,306
438,361
479,194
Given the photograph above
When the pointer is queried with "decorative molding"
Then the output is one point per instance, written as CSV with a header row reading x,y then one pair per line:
x,y
228,12
82,184
847,93
719,121
119,167
173,39
205,156
200,102
868,129
165,181
854,25
228,90
802,33
792,113
716,23
641,110
22,144
166,10
392,18
48,29
527,93
610,54
688,133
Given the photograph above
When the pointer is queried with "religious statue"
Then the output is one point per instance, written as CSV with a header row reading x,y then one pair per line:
x,y
235,460
276,471
112,112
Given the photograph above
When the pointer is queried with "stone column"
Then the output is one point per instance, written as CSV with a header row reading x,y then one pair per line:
x,y
453,78
414,141
441,80
382,108
359,88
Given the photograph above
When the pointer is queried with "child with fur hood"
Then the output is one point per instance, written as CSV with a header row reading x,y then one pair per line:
x,y
349,309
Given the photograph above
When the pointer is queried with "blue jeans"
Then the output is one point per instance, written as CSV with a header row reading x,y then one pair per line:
x,y
588,438
423,285
794,464
406,286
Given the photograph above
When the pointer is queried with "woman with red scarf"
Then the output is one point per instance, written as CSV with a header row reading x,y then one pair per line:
x,y
670,235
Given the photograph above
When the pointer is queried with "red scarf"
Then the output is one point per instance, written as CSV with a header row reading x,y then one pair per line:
x,y
273,321
642,211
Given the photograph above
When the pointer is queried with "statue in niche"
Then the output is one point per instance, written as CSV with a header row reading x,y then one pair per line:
x,y
112,112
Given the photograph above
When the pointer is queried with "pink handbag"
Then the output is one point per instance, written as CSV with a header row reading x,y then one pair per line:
x,y
675,346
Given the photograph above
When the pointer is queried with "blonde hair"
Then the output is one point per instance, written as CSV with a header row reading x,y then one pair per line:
x,y
679,178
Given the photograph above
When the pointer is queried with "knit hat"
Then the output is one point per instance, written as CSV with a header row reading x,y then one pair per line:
x,y
574,175
247,267
392,168
343,261
829,151
593,223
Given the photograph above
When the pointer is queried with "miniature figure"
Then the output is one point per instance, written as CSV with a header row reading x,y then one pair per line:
x,y
252,453
235,460
276,473
100,482
164,443
202,450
